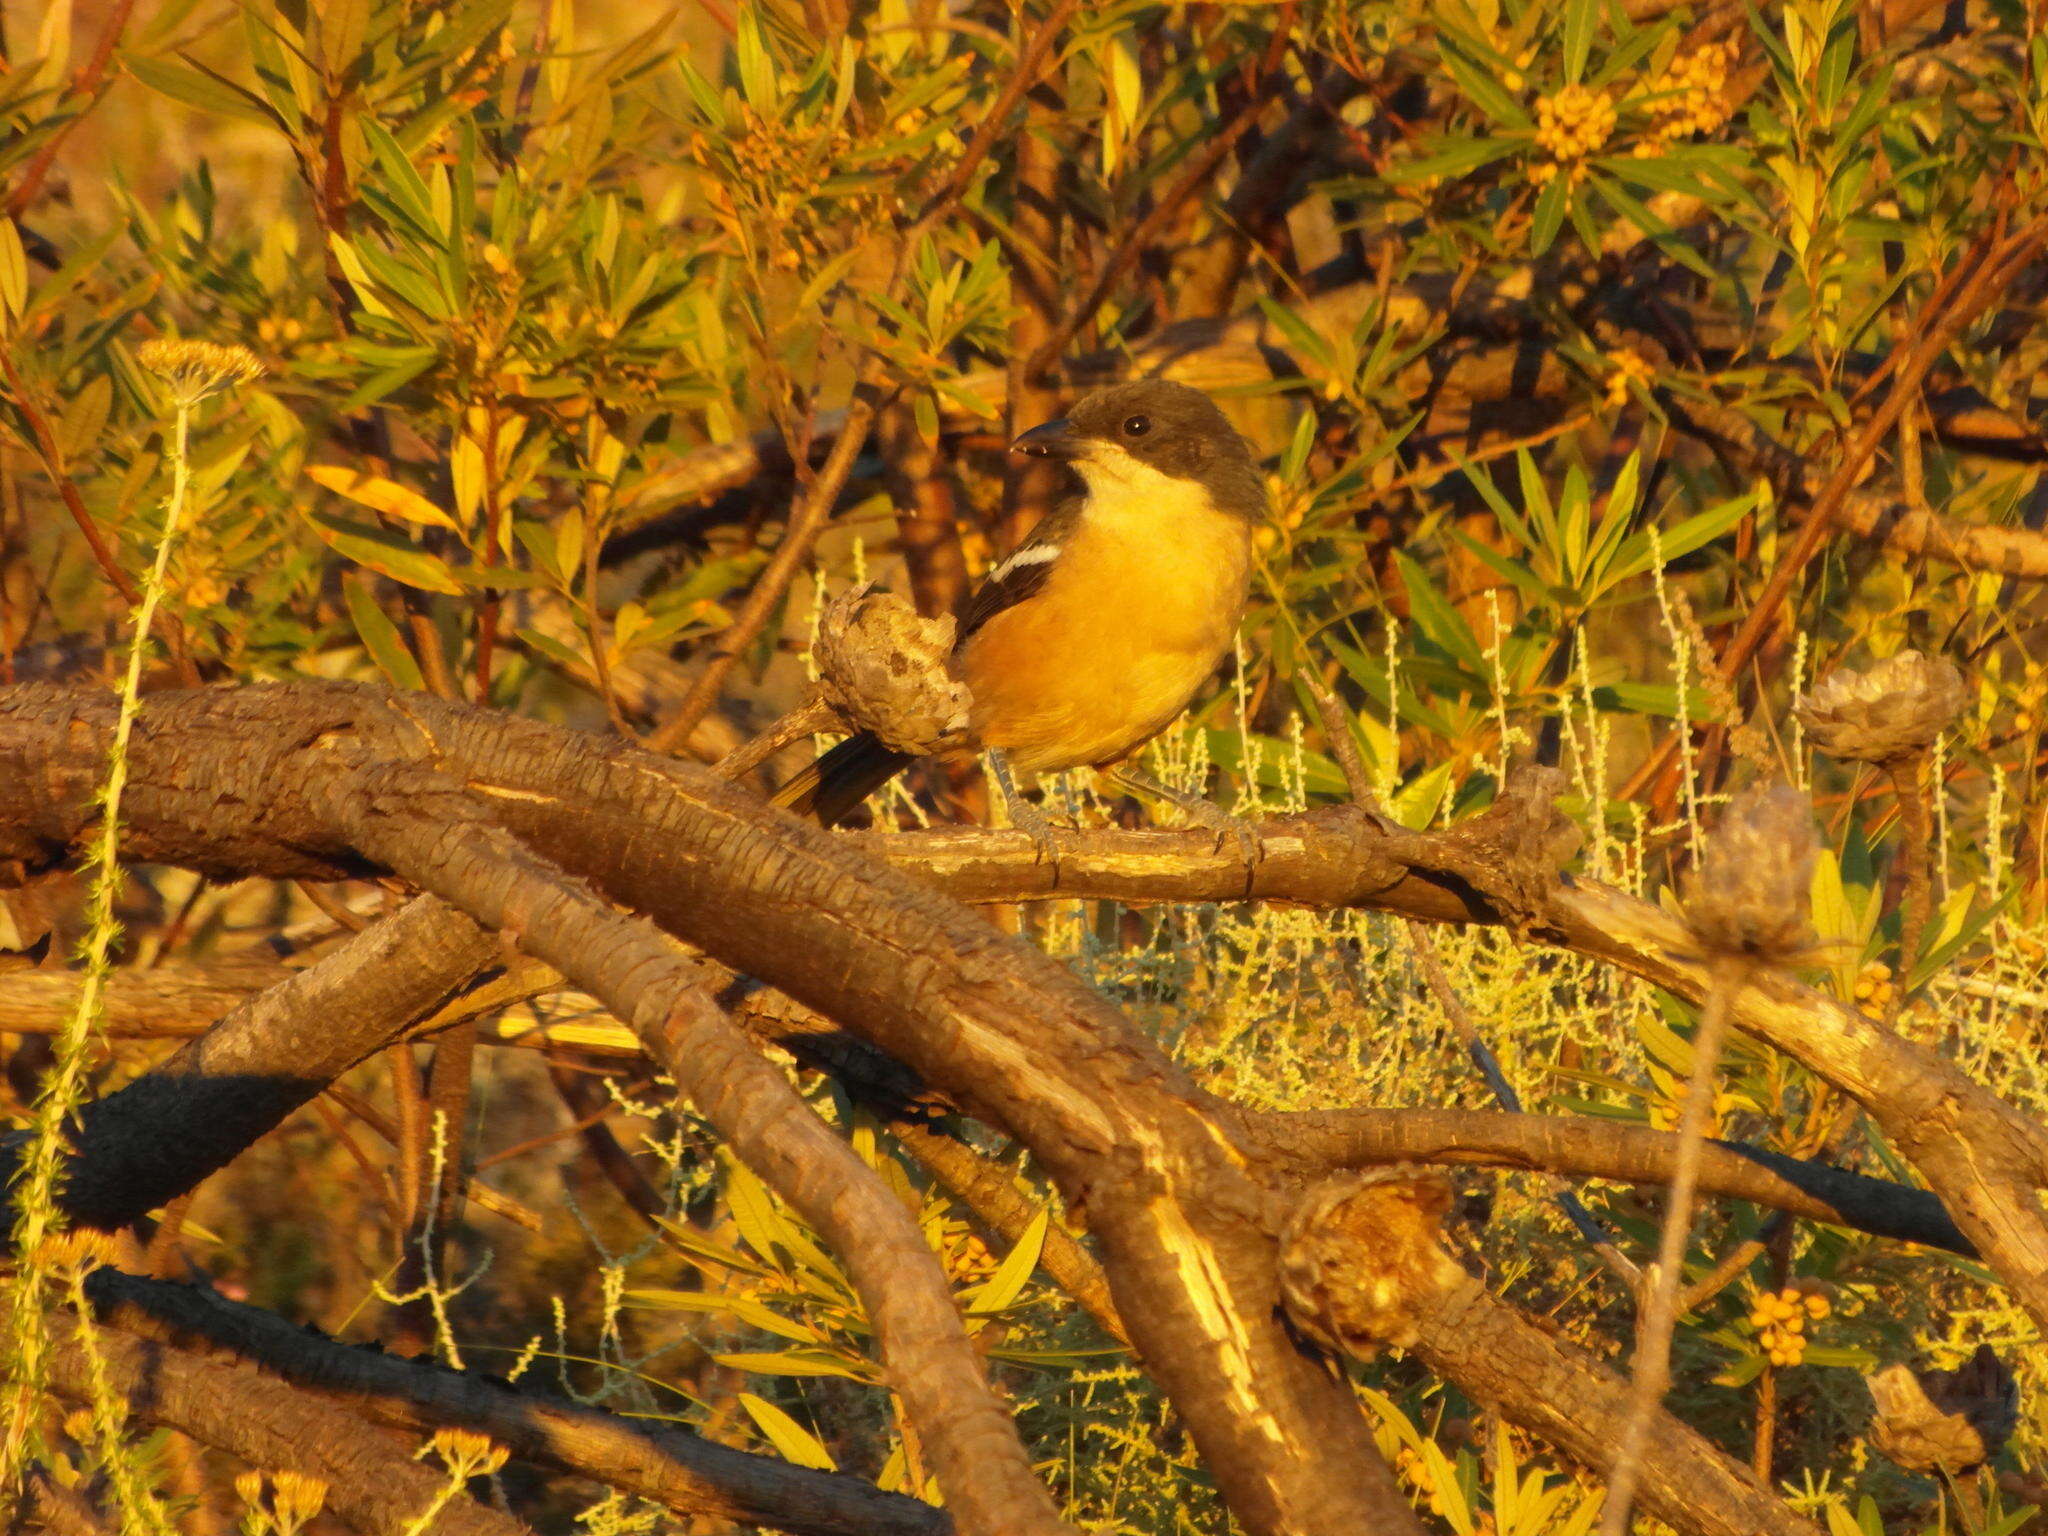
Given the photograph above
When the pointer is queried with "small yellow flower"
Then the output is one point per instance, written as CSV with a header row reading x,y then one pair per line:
x,y
299,1497
1630,367
467,1453
1574,123
196,369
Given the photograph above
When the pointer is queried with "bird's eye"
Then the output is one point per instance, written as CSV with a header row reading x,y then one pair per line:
x,y
1137,426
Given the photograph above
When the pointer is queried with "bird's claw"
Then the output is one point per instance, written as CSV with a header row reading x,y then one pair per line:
x,y
1210,817
1029,819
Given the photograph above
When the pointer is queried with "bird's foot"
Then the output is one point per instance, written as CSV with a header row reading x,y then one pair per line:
x,y
1028,818
1210,817
1204,813
1025,816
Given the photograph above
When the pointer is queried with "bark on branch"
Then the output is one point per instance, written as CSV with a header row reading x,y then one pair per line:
x,y
255,780
1598,1149
372,1480
1160,1169
672,1467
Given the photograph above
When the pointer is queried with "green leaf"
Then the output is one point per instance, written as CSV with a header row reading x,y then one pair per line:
x,y
1415,804
1524,580
1435,617
755,63
795,1362
1580,19
380,638
387,554
1484,89
200,87
1549,215
1456,158
790,1438
766,1229
726,1304
1002,1288
406,183
13,271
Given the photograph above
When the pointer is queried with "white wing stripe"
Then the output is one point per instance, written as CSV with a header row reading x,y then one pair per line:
x,y
1030,554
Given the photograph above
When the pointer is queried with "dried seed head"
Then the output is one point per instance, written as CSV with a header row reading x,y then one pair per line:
x,y
1362,1257
884,668
196,369
1750,895
1949,1420
1891,711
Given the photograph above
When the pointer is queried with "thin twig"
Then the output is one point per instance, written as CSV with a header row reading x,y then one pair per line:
x,y
807,719
53,464
1978,280
1652,1370
1337,730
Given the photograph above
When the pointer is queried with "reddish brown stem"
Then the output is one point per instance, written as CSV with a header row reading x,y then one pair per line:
x,y
74,502
87,83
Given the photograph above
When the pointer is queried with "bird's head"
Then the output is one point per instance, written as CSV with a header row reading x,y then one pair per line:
x,y
1127,436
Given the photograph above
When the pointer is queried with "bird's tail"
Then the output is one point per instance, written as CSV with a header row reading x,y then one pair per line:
x,y
840,779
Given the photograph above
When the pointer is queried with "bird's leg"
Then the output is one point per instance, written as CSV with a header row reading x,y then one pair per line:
x,y
1203,812
1024,816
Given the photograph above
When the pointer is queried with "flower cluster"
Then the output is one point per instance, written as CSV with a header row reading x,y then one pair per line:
x,y
465,1453
1780,1319
1571,125
1694,91
1630,367
1413,1470
782,175
295,1498
1668,1107
1874,989
967,1259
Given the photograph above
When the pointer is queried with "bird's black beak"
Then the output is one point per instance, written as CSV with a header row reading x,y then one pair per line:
x,y
1054,440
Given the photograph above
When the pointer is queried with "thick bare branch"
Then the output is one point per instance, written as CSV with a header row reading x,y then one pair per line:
x,y
1161,1169
412,819
372,1480
1558,1391
270,1054
1603,1149
672,1467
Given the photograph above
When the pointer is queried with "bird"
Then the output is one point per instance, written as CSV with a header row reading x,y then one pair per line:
x,y
1096,632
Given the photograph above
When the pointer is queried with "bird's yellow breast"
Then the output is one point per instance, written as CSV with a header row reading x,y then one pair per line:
x,y
1138,609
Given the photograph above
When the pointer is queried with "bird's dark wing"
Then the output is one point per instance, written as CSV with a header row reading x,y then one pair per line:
x,y
1021,572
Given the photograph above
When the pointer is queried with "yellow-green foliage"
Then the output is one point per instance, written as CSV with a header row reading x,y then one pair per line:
x,y
531,283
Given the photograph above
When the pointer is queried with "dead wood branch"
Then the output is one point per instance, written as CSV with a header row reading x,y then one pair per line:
x,y
372,1480
1558,1391
1599,1149
1160,1168
268,1055
672,1467
410,818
